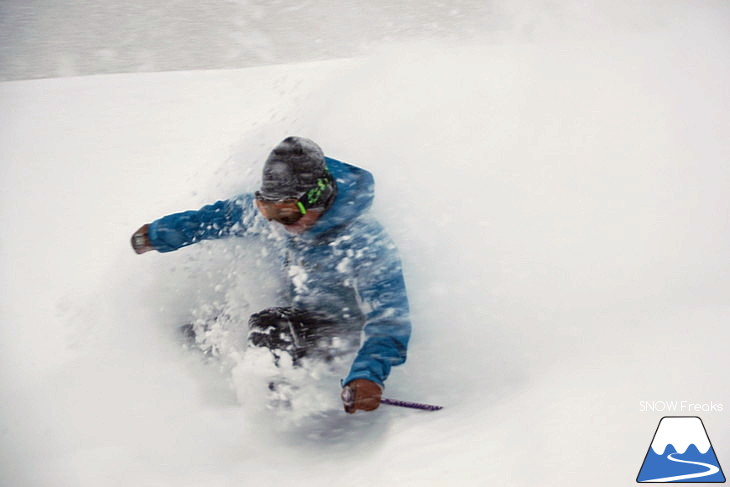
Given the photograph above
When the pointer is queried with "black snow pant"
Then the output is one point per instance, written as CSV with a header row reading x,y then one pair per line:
x,y
297,332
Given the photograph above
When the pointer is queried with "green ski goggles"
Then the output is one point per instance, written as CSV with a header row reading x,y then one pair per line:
x,y
288,211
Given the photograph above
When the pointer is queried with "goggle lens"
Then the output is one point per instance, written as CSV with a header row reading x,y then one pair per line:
x,y
286,212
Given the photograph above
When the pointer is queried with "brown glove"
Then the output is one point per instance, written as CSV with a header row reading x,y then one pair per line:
x,y
141,240
361,394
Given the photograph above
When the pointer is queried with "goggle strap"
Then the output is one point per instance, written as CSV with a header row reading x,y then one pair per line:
x,y
301,207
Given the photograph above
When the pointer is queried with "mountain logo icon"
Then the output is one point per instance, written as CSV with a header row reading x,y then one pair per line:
x,y
681,452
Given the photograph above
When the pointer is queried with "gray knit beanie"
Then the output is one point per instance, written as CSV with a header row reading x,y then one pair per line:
x,y
294,167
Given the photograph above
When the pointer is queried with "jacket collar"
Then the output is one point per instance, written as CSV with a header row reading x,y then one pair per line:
x,y
355,193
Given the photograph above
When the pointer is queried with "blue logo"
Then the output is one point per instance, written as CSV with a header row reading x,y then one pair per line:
x,y
681,452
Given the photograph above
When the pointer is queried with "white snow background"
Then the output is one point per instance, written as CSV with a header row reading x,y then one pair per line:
x,y
561,208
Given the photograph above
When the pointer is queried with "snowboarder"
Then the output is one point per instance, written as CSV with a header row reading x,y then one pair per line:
x,y
345,288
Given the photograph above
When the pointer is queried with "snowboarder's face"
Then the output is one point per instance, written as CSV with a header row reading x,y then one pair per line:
x,y
288,213
305,222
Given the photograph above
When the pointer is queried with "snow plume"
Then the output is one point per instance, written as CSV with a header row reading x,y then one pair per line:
x,y
297,397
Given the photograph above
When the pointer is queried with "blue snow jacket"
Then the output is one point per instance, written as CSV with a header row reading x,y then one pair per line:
x,y
345,265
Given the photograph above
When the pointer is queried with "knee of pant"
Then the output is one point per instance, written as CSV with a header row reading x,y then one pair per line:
x,y
270,317
271,328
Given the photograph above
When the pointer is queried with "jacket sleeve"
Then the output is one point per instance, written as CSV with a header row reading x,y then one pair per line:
x,y
218,220
382,291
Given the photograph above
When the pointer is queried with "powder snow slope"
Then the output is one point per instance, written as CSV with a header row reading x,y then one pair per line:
x,y
562,213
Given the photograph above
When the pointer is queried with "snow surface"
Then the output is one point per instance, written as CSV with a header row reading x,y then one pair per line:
x,y
562,213
49,38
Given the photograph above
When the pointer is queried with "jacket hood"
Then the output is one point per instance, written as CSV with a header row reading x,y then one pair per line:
x,y
355,193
